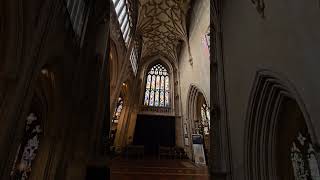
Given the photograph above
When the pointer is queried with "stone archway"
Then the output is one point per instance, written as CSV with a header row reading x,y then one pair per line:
x,y
195,122
275,117
33,149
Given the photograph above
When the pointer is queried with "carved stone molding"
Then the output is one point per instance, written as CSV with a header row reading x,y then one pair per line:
x,y
260,6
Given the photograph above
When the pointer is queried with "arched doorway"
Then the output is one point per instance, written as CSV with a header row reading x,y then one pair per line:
x,y
199,118
280,139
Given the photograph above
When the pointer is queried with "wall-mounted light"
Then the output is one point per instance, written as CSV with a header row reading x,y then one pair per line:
x,y
44,72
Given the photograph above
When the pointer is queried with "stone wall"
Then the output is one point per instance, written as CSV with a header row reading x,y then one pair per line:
x,y
197,73
286,41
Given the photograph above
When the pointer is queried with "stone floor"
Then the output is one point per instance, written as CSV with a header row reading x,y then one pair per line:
x,y
153,169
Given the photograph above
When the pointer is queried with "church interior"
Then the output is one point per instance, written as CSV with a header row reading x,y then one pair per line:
x,y
159,89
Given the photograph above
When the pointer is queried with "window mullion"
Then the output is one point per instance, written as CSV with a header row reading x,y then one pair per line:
x,y
122,15
127,35
121,8
124,24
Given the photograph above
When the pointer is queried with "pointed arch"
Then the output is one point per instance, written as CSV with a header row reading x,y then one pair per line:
x,y
270,94
171,70
198,123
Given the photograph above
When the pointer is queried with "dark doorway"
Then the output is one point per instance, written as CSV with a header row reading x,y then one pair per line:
x,y
152,131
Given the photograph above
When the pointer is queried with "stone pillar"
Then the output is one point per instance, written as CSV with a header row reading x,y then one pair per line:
x,y
179,132
132,124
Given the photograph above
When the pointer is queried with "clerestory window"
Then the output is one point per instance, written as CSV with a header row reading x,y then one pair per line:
x,y
124,18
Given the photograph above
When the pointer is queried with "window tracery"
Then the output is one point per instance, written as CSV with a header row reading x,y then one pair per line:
x,y
28,149
303,158
157,87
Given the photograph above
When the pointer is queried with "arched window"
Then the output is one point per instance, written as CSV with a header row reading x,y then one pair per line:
x,y
157,87
27,150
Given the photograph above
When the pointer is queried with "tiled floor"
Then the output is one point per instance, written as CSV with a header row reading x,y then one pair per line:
x,y
153,169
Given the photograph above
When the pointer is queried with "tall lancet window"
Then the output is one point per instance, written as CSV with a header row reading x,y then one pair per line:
x,y
27,150
157,87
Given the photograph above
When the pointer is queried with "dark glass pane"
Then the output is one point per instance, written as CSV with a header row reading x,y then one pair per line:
x,y
146,98
162,83
161,98
156,99
148,82
151,98
153,83
167,98
158,82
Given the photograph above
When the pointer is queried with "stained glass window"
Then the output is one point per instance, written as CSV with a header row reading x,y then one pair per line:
x,y
117,111
157,87
304,159
205,118
27,150
115,119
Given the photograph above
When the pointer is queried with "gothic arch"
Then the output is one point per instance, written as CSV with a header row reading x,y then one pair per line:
x,y
192,102
147,65
41,100
35,118
195,96
270,90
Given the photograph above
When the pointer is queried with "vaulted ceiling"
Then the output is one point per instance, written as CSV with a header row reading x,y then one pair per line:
x,y
162,24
